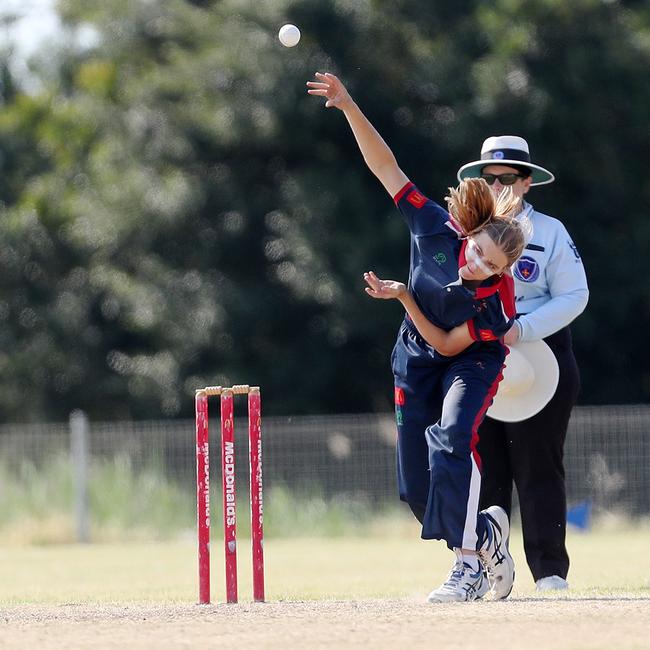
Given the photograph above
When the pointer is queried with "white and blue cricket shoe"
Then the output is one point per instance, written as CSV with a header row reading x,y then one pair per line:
x,y
494,553
463,584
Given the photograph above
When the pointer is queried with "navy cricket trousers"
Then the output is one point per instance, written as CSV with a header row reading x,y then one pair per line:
x,y
439,404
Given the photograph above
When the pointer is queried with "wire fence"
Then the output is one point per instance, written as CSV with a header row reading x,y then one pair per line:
x,y
351,457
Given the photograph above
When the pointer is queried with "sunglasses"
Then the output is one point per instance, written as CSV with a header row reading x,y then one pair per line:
x,y
504,179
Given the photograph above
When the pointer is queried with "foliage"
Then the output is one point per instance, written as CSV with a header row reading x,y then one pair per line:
x,y
177,212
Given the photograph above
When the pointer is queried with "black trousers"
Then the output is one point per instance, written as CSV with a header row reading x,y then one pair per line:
x,y
531,453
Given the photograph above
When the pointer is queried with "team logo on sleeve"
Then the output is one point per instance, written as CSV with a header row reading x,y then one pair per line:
x,y
574,248
487,335
526,269
417,199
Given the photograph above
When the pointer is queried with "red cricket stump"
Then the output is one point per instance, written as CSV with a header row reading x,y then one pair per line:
x,y
257,509
229,488
203,495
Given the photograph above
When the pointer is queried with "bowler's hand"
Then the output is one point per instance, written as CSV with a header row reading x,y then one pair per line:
x,y
383,289
512,335
332,88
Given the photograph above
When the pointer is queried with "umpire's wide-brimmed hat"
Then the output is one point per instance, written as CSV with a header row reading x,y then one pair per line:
x,y
529,382
506,150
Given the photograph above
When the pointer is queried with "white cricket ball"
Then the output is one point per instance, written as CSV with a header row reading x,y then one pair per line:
x,y
289,35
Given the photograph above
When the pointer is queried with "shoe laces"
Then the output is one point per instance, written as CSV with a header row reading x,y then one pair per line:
x,y
497,557
455,575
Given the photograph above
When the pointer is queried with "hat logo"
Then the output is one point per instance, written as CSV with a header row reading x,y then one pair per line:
x,y
498,155
526,269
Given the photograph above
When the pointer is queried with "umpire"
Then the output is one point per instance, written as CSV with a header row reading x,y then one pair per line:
x,y
550,290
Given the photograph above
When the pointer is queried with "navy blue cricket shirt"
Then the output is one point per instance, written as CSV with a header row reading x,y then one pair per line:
x,y
437,253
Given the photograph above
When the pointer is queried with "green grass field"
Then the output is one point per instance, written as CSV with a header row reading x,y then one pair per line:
x,y
391,565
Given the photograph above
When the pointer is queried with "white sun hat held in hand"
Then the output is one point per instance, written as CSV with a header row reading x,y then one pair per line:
x,y
530,378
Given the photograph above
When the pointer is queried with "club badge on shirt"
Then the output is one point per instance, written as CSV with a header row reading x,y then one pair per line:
x,y
526,269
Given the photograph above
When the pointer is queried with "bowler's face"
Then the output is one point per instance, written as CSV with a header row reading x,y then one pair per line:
x,y
483,258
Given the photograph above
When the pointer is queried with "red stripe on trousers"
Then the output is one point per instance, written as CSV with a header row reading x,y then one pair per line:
x,y
481,414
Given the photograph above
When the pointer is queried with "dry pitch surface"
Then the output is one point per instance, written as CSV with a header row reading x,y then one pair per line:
x,y
323,593
526,623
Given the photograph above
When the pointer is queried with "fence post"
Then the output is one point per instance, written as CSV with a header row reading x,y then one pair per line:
x,y
79,452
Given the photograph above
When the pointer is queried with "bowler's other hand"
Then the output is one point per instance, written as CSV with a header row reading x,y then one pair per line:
x,y
383,289
332,88
512,335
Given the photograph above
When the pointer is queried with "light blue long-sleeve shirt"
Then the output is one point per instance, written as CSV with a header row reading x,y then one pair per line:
x,y
550,281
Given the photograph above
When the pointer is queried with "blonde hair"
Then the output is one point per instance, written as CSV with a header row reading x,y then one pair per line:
x,y
475,209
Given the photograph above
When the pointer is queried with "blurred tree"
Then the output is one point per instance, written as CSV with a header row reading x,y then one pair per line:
x,y
178,212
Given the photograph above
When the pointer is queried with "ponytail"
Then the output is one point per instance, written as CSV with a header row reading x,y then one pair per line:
x,y
474,208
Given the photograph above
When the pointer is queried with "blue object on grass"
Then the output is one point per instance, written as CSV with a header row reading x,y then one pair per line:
x,y
579,515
